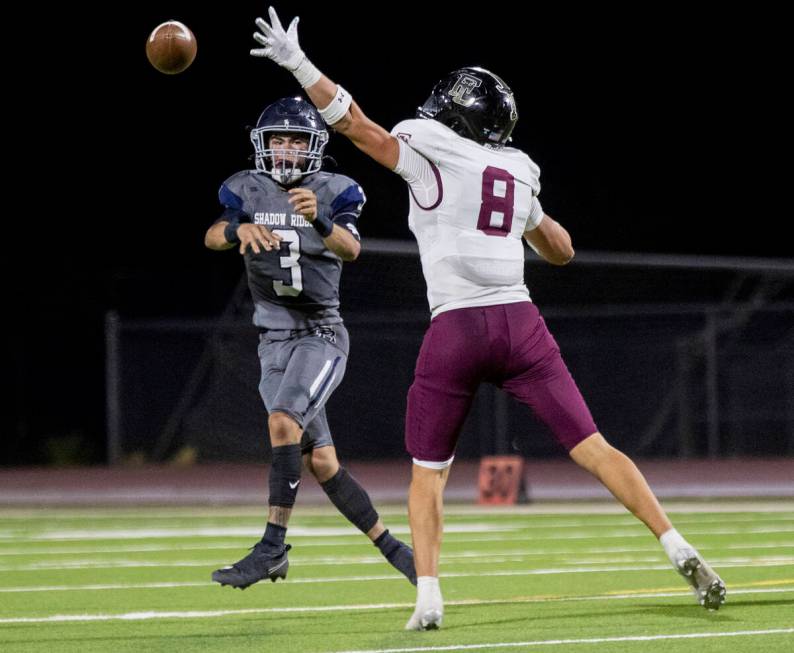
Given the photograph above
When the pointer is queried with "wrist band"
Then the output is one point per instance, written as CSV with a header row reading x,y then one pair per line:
x,y
230,232
335,111
306,73
323,225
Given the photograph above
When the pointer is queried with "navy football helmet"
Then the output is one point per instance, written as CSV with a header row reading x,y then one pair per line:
x,y
475,103
290,115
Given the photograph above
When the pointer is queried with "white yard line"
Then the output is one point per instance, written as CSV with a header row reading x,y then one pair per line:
x,y
103,586
534,551
203,614
177,548
612,507
223,531
540,508
518,522
466,557
451,529
607,568
626,521
588,640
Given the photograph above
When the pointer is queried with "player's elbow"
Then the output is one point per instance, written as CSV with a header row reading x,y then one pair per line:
x,y
344,126
212,242
352,123
350,253
215,239
562,256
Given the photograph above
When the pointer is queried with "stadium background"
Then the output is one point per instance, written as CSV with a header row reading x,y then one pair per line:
x,y
655,134
661,133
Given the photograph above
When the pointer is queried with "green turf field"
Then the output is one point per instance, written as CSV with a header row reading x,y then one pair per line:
x,y
513,579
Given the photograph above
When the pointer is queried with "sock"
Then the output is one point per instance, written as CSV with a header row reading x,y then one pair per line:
x,y
285,475
399,556
274,535
351,500
386,542
428,593
673,542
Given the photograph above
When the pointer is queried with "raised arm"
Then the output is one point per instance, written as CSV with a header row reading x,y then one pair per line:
x,y
335,104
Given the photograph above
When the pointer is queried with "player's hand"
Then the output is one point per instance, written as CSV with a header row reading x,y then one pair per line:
x,y
256,235
304,201
280,46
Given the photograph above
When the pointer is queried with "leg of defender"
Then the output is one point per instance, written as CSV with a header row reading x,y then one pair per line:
x,y
425,512
456,354
621,477
540,379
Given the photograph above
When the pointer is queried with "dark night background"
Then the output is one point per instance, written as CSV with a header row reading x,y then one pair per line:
x,y
655,132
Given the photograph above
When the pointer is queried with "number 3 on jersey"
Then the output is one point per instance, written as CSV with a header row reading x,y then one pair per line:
x,y
292,288
496,210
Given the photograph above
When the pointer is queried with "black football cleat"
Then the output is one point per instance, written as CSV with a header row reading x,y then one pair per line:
x,y
261,563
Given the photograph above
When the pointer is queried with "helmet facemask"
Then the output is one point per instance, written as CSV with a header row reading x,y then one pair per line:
x,y
288,166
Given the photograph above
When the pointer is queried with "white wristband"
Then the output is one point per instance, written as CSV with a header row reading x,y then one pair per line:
x,y
306,73
335,111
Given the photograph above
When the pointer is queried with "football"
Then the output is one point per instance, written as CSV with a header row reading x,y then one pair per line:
x,y
171,47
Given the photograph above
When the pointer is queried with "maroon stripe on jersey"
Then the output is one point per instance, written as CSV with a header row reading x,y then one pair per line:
x,y
437,173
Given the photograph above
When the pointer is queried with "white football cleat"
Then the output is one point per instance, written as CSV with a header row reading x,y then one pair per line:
x,y
425,619
707,586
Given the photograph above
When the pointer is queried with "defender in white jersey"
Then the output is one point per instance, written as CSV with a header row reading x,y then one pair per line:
x,y
473,199
471,206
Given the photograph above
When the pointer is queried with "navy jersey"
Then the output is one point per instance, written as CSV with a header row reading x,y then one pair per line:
x,y
296,287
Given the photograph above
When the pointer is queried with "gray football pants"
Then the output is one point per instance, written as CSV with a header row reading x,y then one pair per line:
x,y
300,371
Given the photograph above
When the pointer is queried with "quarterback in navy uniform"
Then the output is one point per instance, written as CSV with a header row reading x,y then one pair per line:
x,y
473,200
295,224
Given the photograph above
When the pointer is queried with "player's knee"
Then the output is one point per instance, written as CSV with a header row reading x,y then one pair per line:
x,y
283,429
592,452
324,464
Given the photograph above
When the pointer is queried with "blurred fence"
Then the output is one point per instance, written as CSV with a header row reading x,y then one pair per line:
x,y
676,356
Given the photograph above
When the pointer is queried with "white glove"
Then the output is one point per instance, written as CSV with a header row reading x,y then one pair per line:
x,y
280,46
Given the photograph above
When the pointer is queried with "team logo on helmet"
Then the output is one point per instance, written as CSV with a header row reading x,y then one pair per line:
x,y
461,92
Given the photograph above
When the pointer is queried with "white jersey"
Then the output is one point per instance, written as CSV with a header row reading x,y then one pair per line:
x,y
470,206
